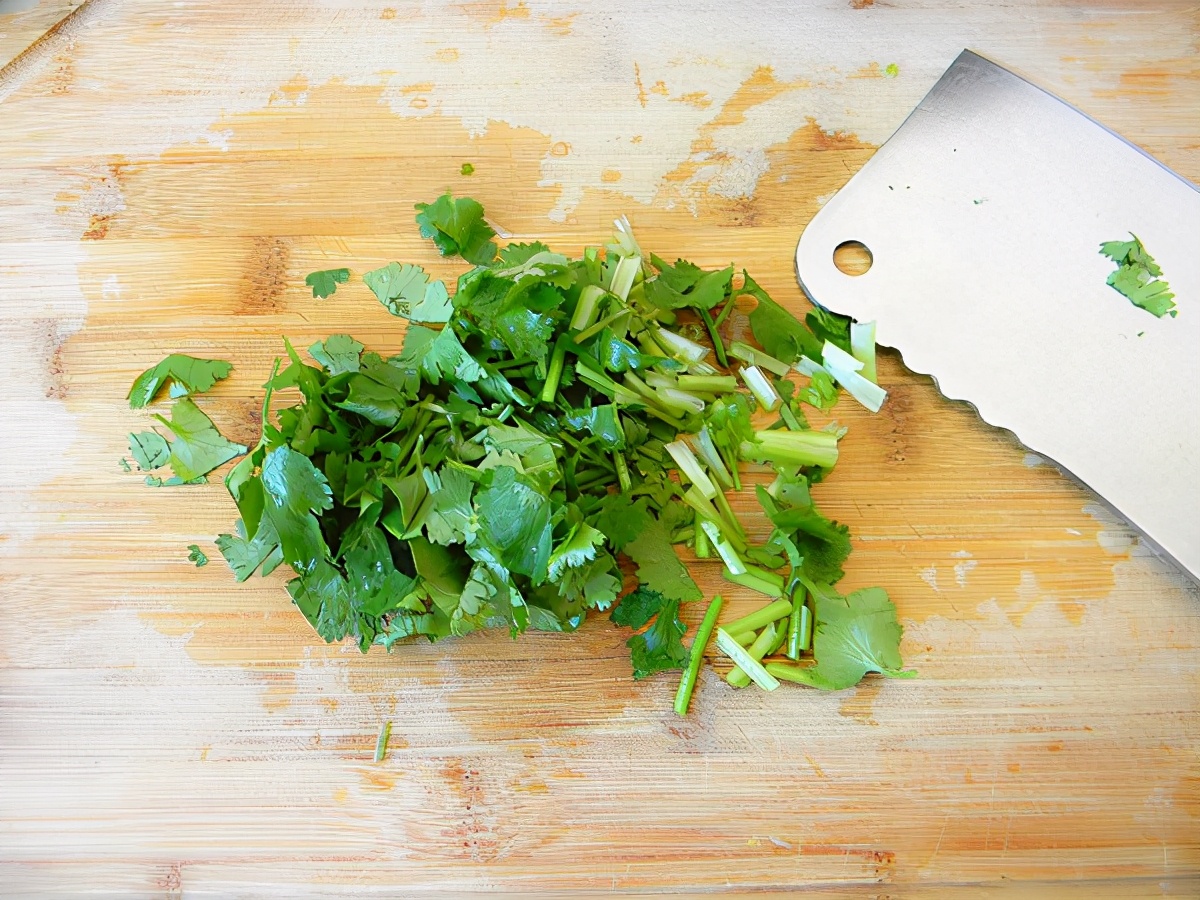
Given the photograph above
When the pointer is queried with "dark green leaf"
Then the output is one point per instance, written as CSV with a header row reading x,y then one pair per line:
x,y
325,283
457,227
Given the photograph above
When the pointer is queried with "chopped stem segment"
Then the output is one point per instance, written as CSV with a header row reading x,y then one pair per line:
x,y
737,676
748,663
381,743
752,580
799,626
723,547
772,612
755,357
793,448
687,683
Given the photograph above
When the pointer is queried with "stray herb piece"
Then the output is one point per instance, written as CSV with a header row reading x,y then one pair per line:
x,y
467,169
125,467
687,684
325,283
1138,277
188,374
197,556
457,228
381,742
407,292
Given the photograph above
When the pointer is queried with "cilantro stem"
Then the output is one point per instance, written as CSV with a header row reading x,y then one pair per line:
x,y
266,404
381,743
753,580
687,684
710,384
725,311
737,676
554,375
772,612
622,471
730,519
748,663
799,626
718,344
701,549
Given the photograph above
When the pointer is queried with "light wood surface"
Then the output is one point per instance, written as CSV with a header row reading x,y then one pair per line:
x,y
170,173
23,22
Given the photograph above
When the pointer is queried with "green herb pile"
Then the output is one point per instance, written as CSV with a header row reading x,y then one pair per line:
x,y
548,418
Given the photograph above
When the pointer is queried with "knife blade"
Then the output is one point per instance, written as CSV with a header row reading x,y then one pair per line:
x,y
983,215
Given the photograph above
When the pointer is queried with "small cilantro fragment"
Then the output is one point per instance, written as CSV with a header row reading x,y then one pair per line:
x,y
1138,277
125,467
467,169
407,292
325,283
190,375
456,227
196,555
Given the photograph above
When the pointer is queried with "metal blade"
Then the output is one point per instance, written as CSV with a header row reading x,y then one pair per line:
x,y
984,214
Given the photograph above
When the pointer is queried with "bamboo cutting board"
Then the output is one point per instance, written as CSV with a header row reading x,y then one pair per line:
x,y
169,172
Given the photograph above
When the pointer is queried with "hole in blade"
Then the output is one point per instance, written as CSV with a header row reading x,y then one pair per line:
x,y
852,257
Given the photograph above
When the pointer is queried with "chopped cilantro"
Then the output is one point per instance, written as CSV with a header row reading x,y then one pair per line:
x,y
550,428
467,169
196,555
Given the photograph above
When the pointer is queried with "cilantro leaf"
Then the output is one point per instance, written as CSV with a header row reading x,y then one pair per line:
x,y
407,292
647,542
198,447
516,520
686,285
637,608
577,549
149,450
325,283
854,635
457,227
296,489
245,557
658,648
519,254
451,517
440,355
196,555
780,333
829,326
338,354
1137,277
189,373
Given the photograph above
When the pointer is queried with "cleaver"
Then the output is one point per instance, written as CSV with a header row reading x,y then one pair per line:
x,y
983,216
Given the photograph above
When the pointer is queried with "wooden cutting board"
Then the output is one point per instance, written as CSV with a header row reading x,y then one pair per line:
x,y
169,172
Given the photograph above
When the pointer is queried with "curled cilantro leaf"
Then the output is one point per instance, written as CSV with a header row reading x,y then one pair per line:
x,y
190,374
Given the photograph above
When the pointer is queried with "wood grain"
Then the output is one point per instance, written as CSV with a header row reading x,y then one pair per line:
x,y
166,733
